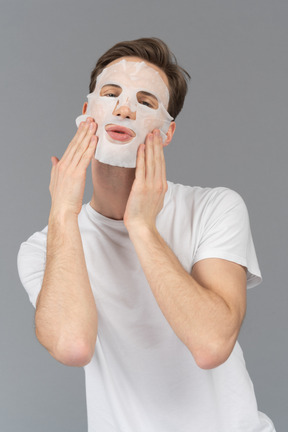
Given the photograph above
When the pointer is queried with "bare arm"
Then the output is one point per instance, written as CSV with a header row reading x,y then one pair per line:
x,y
66,315
204,308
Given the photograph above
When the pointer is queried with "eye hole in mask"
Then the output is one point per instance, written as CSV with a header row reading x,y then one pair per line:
x,y
142,97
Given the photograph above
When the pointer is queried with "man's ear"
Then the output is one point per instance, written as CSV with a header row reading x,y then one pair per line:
x,y
84,109
170,133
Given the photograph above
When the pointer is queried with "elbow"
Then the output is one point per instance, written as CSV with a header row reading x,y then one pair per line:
x,y
212,356
207,362
75,354
70,353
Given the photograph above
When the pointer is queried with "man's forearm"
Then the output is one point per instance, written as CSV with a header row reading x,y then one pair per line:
x,y
66,315
198,316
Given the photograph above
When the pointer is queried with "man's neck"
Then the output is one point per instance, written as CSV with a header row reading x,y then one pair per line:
x,y
111,189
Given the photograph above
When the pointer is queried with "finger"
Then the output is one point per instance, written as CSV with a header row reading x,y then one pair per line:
x,y
149,157
163,163
140,164
82,147
80,135
54,160
81,131
89,153
158,151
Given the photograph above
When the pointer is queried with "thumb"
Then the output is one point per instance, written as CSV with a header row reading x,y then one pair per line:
x,y
54,160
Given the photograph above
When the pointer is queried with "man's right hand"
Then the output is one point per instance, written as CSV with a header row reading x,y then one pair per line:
x,y
68,176
66,315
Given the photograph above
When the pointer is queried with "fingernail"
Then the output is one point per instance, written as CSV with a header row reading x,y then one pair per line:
x,y
91,127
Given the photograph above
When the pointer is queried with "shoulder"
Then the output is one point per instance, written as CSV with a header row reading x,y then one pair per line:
x,y
221,200
205,199
38,240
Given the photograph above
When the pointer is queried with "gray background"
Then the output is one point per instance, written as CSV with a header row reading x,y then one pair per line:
x,y
232,132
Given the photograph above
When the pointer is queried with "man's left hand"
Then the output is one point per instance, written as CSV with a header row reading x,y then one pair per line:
x,y
150,185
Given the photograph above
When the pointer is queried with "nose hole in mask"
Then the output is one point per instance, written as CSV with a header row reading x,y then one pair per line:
x,y
132,106
127,103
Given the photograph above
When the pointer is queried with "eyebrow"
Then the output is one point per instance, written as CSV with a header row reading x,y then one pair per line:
x,y
112,85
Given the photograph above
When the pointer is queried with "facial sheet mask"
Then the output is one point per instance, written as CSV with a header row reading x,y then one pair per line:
x,y
132,78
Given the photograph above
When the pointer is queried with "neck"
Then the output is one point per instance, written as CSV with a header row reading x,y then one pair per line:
x,y
111,189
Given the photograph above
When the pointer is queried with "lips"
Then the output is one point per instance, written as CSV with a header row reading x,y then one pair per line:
x,y
119,133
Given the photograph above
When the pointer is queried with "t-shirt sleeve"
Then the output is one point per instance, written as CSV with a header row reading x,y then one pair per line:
x,y
226,233
31,261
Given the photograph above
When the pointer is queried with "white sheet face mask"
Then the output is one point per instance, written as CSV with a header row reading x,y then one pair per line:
x,y
129,82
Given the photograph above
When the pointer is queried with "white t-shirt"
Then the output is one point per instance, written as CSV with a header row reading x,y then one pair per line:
x,y
142,378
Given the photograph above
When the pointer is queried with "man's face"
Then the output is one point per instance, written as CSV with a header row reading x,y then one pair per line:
x,y
129,101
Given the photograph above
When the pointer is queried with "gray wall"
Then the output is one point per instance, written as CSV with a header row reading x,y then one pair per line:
x,y
232,132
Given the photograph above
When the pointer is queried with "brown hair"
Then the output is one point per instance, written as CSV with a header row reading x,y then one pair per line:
x,y
155,51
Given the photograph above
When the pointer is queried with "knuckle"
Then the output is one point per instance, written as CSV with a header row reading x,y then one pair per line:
x,y
81,147
159,187
158,158
78,174
86,156
78,139
61,167
89,151
149,186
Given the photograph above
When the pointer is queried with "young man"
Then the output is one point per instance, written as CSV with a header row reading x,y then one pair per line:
x,y
145,286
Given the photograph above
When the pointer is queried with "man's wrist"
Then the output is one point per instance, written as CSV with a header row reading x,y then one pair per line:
x,y
142,231
61,217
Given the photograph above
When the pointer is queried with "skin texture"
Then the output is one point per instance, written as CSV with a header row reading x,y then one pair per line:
x,y
205,308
